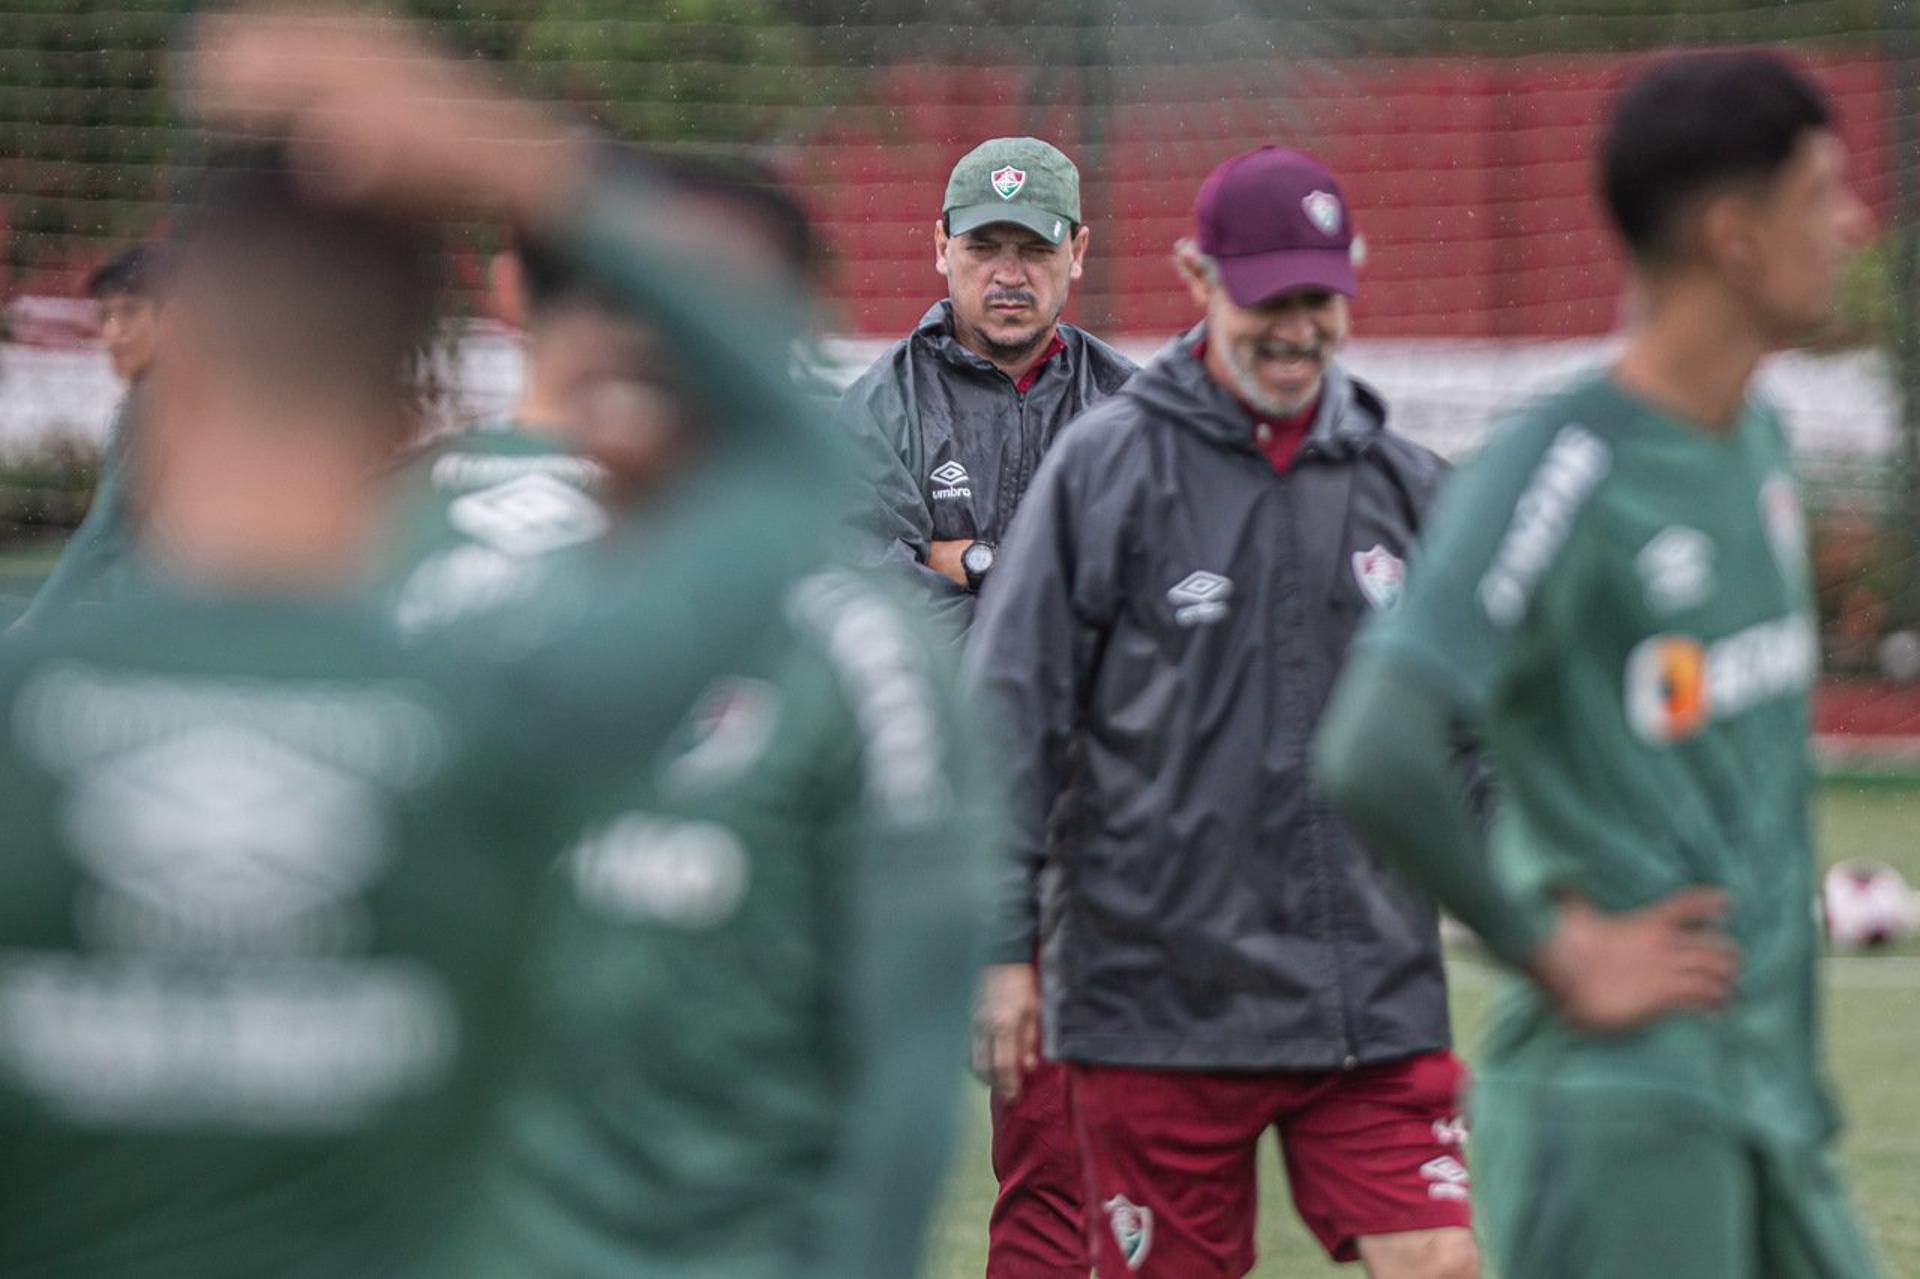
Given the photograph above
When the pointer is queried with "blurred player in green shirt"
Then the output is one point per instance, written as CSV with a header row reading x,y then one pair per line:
x,y
268,875
749,1003
1615,595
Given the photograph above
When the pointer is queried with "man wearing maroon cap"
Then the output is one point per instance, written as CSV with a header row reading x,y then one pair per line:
x,y
1220,956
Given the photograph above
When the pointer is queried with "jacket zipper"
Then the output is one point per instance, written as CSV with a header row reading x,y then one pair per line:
x,y
1310,452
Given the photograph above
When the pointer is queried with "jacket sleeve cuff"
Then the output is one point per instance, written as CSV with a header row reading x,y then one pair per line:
x,y
1013,944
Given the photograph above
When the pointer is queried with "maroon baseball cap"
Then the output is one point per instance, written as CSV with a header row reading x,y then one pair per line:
x,y
1275,220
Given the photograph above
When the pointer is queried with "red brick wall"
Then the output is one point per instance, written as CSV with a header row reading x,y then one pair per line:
x,y
1470,179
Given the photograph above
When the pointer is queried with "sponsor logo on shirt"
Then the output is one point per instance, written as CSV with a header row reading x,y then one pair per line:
x,y
1676,568
1382,575
460,582
1676,685
1543,518
1446,1178
952,479
1199,598
1132,1227
686,874
531,515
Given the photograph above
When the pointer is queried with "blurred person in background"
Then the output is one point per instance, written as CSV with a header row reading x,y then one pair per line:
x,y
1219,954
749,996
127,292
1616,595
482,507
748,1004
950,425
266,904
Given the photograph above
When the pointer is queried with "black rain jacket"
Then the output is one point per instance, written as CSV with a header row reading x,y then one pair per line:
x,y
1161,632
949,445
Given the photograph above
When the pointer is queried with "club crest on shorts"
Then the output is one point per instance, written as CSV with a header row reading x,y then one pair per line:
x,y
1008,181
1132,1229
1382,575
1323,210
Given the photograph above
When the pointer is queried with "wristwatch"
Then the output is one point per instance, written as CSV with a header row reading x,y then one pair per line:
x,y
976,561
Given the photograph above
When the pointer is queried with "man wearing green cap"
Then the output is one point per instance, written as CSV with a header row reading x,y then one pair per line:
x,y
952,420
950,425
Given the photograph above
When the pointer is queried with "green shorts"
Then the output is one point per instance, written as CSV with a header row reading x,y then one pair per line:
x,y
1585,1184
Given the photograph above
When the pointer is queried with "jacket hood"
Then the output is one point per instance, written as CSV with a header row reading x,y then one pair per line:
x,y
1176,385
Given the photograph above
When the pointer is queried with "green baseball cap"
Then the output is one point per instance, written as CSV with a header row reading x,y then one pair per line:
x,y
1024,181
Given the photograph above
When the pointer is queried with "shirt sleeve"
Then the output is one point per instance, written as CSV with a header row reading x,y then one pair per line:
x,y
1032,653
890,525
914,852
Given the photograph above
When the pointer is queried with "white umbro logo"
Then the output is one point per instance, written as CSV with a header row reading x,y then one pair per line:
x,y
531,515
1676,568
952,479
1200,597
1446,1178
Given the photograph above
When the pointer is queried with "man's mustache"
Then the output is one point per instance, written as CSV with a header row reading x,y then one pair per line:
x,y
1020,296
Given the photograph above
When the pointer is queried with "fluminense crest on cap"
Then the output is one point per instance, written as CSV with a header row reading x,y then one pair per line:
x,y
1323,210
1008,181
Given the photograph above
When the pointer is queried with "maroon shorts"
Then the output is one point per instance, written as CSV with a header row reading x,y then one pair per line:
x,y
1038,1228
1169,1159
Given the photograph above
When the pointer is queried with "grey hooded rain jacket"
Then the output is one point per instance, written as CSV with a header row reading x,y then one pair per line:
x,y
1166,620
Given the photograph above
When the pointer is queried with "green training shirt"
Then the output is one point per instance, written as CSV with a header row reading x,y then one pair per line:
x,y
1622,603
475,515
752,996
261,915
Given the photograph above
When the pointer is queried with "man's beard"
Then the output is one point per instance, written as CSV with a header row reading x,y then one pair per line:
x,y
1246,383
1009,352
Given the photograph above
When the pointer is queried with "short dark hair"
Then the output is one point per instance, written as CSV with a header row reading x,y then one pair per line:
x,y
138,270
1695,123
320,298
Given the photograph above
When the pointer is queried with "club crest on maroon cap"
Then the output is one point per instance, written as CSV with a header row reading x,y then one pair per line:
x,y
1323,210
1274,220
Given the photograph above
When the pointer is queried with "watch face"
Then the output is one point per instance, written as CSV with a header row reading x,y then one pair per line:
x,y
977,559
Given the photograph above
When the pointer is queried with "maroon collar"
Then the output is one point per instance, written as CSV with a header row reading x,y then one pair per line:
x,y
1032,375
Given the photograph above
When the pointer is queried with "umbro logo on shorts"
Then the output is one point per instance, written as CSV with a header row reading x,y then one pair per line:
x,y
952,480
1446,1178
